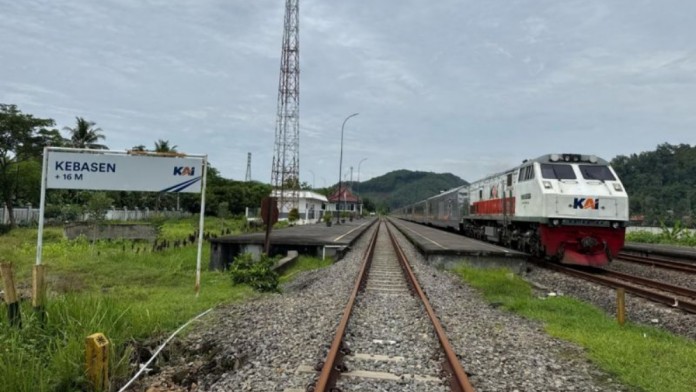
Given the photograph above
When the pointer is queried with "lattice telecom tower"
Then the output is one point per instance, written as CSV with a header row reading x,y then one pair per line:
x,y
247,178
285,177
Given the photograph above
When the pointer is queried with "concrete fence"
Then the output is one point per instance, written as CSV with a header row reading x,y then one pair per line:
x,y
29,214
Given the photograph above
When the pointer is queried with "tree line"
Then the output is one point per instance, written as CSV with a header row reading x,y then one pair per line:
x,y
661,184
24,136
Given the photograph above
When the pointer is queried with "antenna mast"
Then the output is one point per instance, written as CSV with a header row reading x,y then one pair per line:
x,y
285,177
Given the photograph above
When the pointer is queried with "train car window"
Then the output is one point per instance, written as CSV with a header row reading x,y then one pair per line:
x,y
590,172
480,194
558,172
520,178
509,179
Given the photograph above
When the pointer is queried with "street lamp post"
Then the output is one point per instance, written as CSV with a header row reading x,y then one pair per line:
x,y
358,190
345,206
340,169
312,179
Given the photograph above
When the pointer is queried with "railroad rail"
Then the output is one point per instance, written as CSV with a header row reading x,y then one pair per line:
x,y
666,287
667,295
365,286
659,262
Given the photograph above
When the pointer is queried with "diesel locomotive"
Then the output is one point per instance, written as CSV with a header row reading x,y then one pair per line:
x,y
568,207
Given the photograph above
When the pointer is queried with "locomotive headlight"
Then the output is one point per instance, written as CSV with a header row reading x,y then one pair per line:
x,y
615,225
555,157
547,184
555,222
617,187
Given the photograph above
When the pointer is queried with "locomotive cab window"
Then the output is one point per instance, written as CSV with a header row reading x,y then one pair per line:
x,y
557,172
526,173
590,172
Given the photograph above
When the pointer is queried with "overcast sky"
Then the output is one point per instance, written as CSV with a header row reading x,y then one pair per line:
x,y
466,87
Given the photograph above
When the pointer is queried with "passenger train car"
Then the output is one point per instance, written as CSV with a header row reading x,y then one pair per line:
x,y
569,207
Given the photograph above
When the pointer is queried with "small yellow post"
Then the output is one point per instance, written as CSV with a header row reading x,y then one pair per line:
x,y
11,299
97,361
621,305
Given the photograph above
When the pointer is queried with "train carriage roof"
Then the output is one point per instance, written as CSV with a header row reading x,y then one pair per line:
x,y
443,193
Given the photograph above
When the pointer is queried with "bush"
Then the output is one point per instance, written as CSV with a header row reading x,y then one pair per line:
x,y
71,213
327,216
52,211
293,215
257,274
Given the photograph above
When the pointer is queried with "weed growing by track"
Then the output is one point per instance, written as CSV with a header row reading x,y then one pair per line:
x,y
676,235
257,274
642,357
305,263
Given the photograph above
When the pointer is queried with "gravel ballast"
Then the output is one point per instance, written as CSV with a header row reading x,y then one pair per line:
x,y
260,344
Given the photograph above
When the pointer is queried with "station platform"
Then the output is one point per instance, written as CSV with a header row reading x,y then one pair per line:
x,y
442,247
681,252
314,239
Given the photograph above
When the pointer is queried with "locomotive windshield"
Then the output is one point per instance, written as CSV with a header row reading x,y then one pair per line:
x,y
602,173
557,172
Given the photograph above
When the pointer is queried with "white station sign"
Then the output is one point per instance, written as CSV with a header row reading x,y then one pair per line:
x,y
118,172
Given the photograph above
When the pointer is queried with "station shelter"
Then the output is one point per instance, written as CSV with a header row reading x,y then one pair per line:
x,y
345,200
311,206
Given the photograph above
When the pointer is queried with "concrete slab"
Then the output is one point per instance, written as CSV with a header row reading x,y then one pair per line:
x,y
681,252
450,249
435,241
316,239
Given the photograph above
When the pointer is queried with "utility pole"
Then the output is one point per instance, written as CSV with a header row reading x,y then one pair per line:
x,y
247,178
285,176
351,178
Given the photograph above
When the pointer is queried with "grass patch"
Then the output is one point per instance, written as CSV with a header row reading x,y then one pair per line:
x,y
305,263
645,358
118,288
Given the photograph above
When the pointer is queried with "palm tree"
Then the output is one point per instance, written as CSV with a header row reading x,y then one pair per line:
x,y
139,147
163,146
85,135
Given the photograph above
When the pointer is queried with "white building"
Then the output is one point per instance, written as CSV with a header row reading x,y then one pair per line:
x,y
311,207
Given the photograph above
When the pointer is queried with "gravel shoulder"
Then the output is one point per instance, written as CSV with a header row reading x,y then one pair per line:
x,y
638,310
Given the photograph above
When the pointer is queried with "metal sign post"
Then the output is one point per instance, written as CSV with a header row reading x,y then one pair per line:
x,y
269,215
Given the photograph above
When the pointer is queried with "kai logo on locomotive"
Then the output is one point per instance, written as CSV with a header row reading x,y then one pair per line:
x,y
184,171
583,203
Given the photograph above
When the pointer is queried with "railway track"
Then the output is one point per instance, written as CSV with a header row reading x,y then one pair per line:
x,y
659,262
389,337
670,295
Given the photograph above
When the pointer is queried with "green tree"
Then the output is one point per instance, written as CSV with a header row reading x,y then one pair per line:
x,y
164,146
305,186
660,181
139,147
22,137
85,135
97,207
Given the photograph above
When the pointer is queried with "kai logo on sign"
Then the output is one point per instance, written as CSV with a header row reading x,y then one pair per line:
x,y
184,171
585,203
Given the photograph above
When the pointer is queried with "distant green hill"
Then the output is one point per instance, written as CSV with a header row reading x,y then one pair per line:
x,y
402,187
